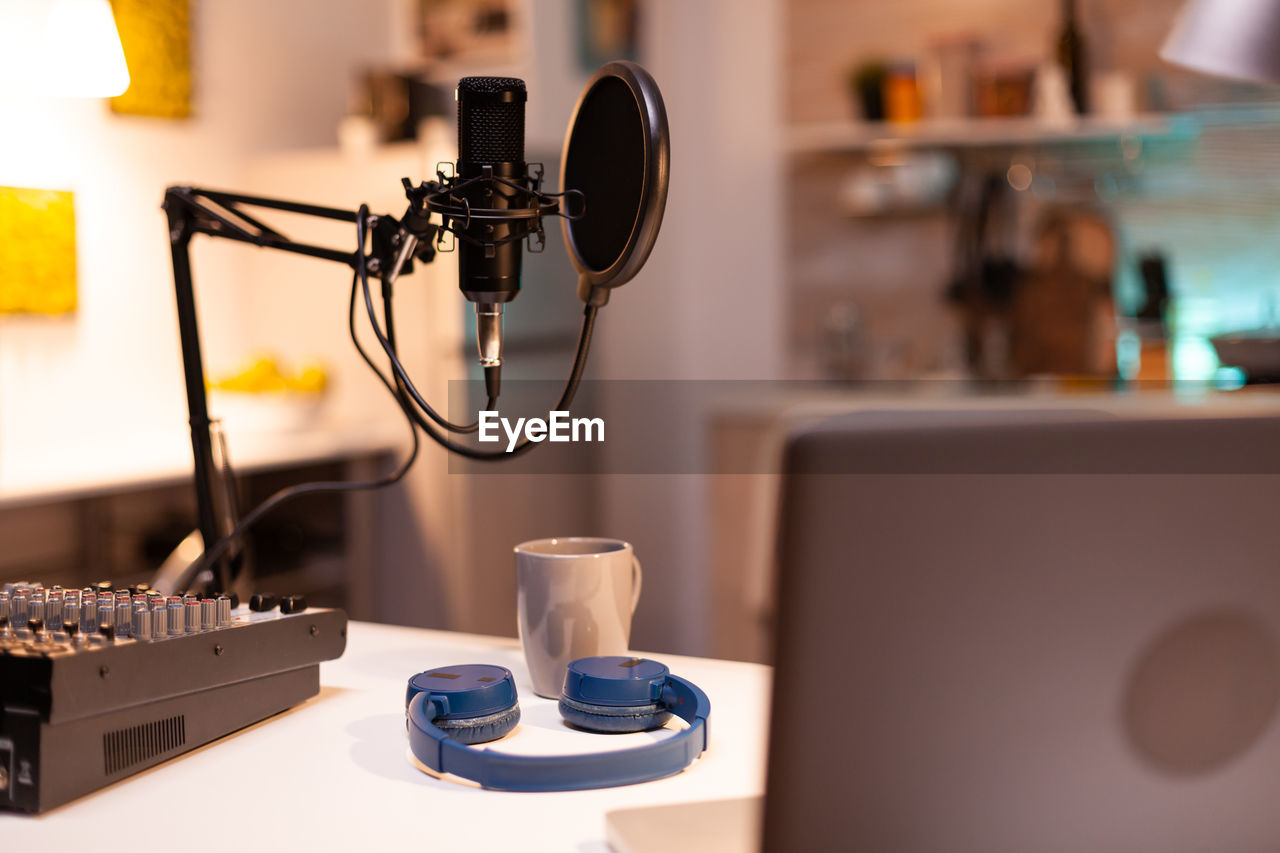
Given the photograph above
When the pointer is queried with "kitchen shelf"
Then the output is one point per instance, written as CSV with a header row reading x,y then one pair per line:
x,y
851,136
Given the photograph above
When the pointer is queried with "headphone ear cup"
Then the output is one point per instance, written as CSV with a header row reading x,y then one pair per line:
x,y
612,719
472,730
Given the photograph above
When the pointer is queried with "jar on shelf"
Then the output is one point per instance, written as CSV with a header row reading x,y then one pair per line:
x,y
902,102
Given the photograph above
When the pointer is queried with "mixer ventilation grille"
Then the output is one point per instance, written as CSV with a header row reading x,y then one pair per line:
x,y
124,748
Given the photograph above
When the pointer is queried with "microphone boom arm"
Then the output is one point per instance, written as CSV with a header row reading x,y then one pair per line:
x,y
394,245
193,210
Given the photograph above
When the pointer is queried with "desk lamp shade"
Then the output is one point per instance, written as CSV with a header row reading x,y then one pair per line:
x,y
83,58
1228,38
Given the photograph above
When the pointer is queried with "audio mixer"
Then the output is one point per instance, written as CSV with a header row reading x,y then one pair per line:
x,y
99,683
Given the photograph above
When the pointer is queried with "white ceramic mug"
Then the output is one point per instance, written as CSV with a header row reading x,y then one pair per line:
x,y
574,599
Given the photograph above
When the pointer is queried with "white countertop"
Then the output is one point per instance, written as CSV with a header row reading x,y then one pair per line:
x,y
336,772
746,400
91,466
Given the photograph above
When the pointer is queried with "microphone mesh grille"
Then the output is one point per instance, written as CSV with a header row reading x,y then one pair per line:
x,y
490,130
491,85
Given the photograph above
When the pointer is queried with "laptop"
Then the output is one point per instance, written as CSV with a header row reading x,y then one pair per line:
x,y
1028,631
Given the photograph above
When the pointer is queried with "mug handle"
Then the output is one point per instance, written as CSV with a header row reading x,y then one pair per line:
x,y
637,579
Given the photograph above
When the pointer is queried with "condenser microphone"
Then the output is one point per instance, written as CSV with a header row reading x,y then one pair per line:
x,y
490,146
615,170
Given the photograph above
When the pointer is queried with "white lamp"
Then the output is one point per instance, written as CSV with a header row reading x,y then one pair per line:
x,y
1229,38
82,56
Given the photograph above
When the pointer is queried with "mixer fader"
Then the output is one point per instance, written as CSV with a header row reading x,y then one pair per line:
x,y
99,683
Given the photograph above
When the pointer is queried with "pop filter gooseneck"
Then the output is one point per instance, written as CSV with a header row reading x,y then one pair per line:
x,y
617,153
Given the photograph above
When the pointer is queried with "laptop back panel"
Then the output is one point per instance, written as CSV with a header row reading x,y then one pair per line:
x,y
1053,631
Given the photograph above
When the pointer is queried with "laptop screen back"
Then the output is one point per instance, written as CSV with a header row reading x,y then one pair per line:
x,y
1035,631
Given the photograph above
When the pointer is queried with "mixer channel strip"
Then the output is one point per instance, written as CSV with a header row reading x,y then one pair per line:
x,y
99,684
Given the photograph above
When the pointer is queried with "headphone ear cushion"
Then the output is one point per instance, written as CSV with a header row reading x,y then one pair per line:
x,y
470,730
612,719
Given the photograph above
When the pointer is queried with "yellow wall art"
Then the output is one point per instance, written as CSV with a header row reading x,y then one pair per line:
x,y
156,37
37,251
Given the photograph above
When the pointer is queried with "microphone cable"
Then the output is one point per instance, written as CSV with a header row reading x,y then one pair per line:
x,y
394,353
397,369
405,395
214,553
405,384
566,398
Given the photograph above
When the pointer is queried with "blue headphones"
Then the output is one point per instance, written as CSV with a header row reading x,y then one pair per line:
x,y
448,709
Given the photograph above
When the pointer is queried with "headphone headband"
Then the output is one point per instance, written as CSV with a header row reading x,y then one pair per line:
x,y
507,772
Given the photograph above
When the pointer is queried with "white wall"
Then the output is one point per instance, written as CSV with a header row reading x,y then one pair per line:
x,y
709,304
267,76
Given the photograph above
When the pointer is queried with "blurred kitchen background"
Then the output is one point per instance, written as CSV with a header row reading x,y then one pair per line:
x,y
1011,156
942,190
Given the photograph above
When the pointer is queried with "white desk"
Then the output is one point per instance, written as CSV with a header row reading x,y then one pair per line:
x,y
336,773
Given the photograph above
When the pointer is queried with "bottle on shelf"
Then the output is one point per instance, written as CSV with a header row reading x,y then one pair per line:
x,y
1073,56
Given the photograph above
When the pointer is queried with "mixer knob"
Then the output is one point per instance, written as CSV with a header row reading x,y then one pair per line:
x,y
142,624
124,616
193,616
261,602
88,614
20,607
177,617
224,611
208,614
293,604
159,622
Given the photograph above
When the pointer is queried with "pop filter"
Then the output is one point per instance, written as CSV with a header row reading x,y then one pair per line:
x,y
617,153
